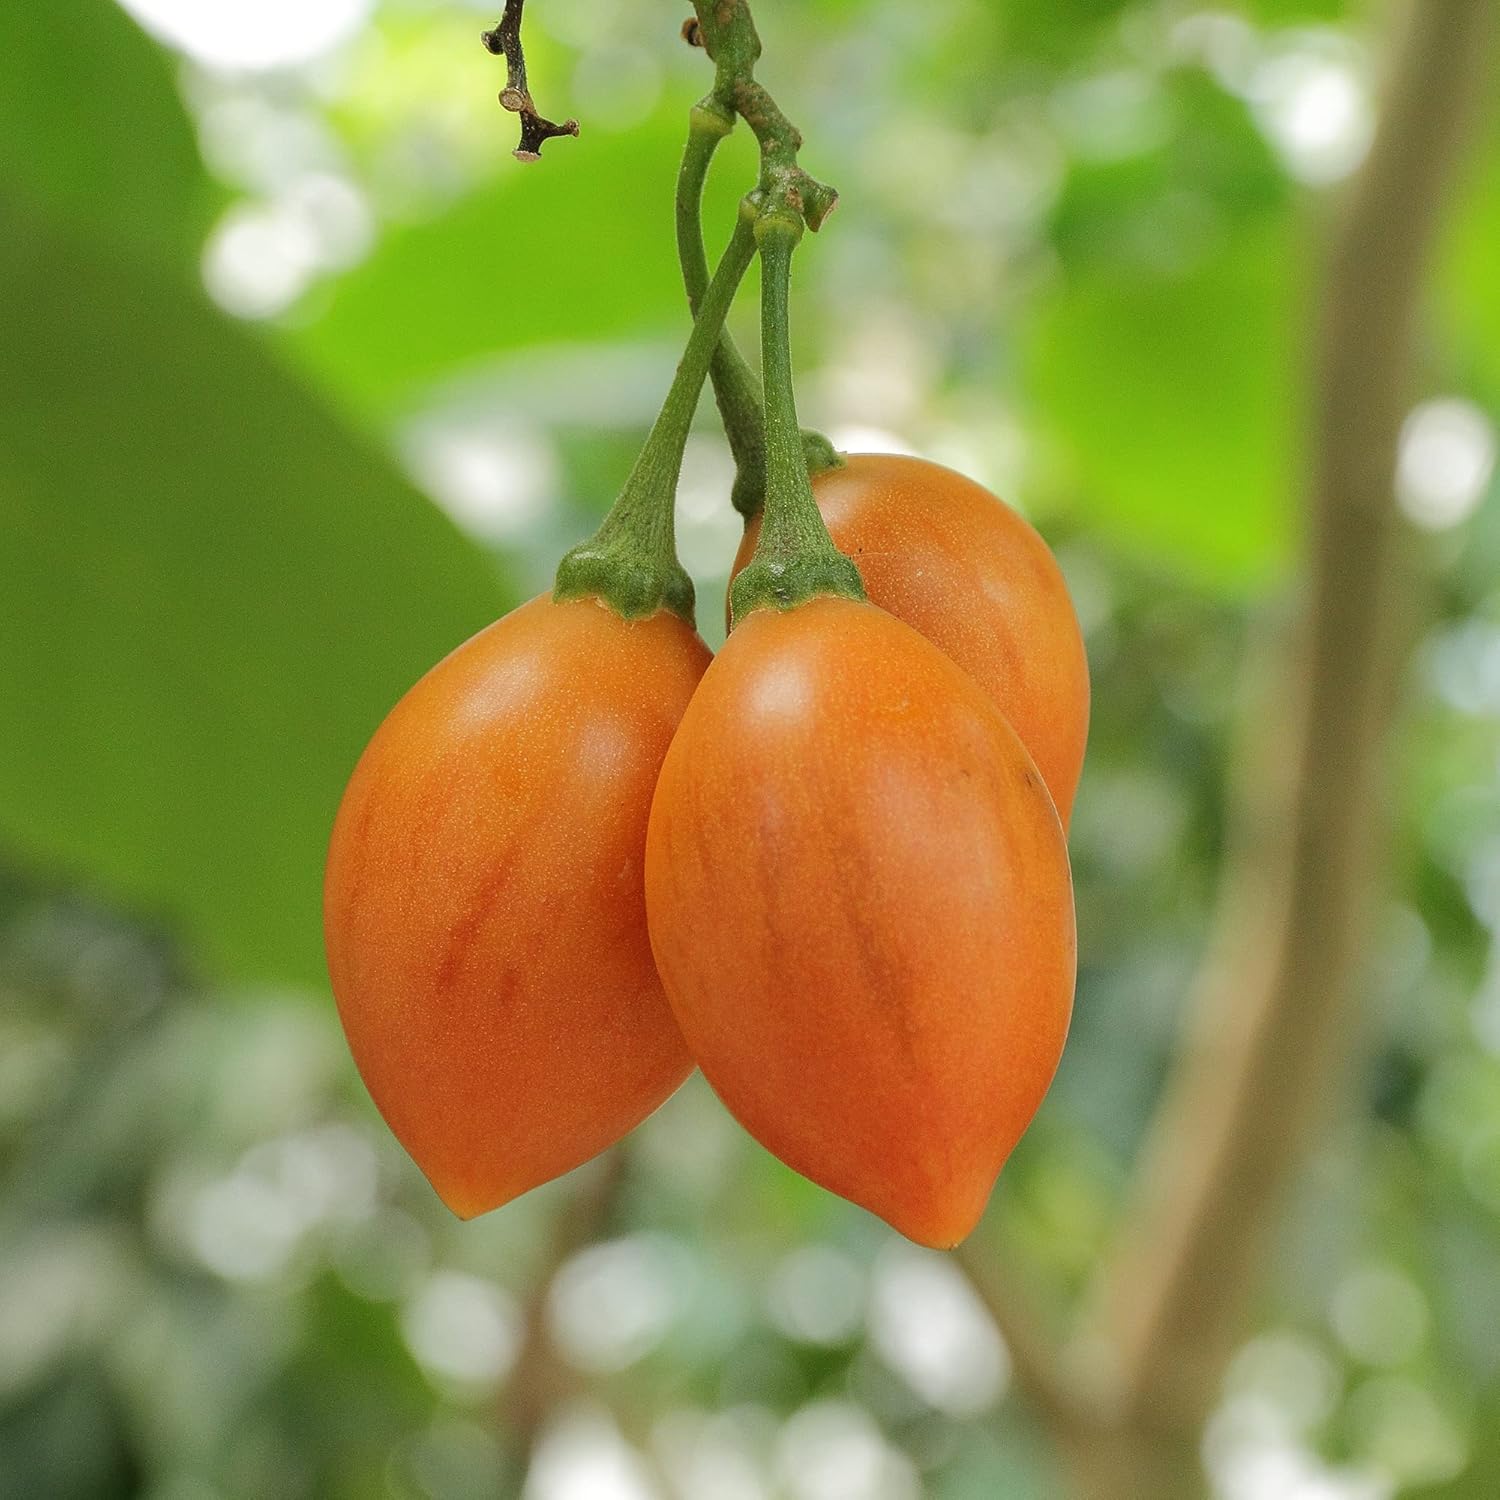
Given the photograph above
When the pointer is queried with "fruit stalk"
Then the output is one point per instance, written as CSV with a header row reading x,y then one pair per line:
x,y
736,385
737,388
796,559
631,561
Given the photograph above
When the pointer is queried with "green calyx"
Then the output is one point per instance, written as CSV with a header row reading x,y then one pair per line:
x,y
629,571
784,582
818,453
795,559
631,561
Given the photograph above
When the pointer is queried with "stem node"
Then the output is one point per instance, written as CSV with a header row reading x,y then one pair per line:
x,y
725,30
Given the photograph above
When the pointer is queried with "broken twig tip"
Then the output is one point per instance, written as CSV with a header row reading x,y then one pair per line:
x,y
505,41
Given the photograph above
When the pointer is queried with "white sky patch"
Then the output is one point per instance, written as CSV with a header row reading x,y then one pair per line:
x,y
1280,1387
1313,104
881,376
463,1329
1446,462
254,143
691,1141
327,1174
583,1457
990,446
816,1295
1278,1471
258,261
251,35
338,217
496,482
1463,666
708,528
249,1225
709,1456
851,438
1286,1381
1220,41
262,256
612,1304
56,1288
832,1450
244,1229
932,1329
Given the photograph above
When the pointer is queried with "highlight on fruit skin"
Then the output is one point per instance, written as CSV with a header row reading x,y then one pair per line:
x,y
964,569
861,908
484,907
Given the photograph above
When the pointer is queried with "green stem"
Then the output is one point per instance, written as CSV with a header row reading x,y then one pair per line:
x,y
728,33
729,36
795,559
736,385
631,561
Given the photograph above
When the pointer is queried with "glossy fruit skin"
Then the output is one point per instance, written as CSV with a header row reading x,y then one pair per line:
x,y
484,909
965,570
861,908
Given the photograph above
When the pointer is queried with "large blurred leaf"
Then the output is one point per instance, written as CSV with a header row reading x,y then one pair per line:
x,y
1172,401
209,594
91,125
1290,12
578,247
1211,173
1056,30
1470,273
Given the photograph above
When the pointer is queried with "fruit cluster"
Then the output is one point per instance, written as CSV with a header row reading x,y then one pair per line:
x,y
829,869
828,866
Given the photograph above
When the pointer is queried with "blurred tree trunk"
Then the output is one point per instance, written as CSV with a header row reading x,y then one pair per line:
x,y
1275,1013
541,1380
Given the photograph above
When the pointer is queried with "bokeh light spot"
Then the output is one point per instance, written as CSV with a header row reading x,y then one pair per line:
x,y
1446,462
252,34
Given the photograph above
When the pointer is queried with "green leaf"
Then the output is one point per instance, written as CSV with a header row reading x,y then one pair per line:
x,y
1171,403
92,129
1056,31
1468,285
1294,12
575,248
210,593
1211,174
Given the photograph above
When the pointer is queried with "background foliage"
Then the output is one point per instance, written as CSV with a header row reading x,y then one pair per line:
x,y
303,379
